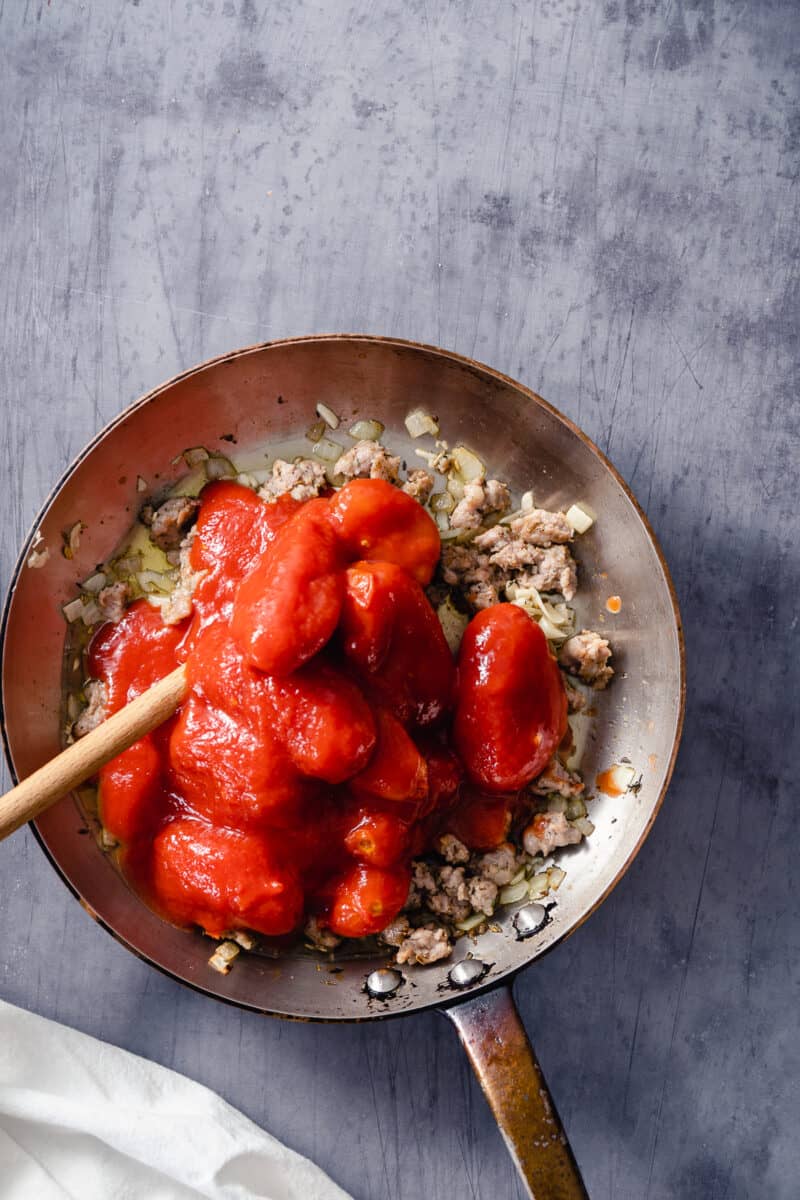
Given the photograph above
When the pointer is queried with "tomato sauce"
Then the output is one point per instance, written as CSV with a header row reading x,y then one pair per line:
x,y
328,736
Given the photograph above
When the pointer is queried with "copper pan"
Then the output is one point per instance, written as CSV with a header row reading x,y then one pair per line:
x,y
267,394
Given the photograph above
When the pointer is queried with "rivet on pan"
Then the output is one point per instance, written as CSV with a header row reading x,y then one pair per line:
x,y
467,972
383,983
530,920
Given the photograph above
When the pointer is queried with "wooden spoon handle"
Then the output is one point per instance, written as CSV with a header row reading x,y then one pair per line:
x,y
84,758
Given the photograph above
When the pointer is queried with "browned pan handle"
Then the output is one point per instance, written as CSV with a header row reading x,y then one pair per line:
x,y
495,1040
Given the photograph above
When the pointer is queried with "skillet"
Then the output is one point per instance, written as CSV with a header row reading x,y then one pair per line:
x,y
266,394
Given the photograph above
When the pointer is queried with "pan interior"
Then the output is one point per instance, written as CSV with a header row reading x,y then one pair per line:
x,y
266,397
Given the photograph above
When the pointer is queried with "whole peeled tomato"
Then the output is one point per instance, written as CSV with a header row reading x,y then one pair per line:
x,y
397,771
389,631
222,879
323,721
234,528
511,710
287,607
379,839
367,898
377,521
233,768
130,796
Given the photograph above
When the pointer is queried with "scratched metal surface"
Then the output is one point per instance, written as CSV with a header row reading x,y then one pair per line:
x,y
601,199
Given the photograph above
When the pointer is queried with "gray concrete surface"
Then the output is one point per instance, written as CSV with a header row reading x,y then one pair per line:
x,y
601,199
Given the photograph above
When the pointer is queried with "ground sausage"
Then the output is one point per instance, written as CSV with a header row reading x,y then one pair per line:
x,y
586,655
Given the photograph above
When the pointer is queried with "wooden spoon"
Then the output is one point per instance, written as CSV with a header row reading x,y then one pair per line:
x,y
84,758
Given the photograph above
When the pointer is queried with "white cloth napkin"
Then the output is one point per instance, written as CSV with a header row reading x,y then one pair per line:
x,y
88,1121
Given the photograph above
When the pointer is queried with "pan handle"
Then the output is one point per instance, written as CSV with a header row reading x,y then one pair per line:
x,y
503,1059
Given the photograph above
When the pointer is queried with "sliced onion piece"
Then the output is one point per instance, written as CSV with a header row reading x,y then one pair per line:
x,y
194,456
579,517
453,624
37,558
315,431
556,877
155,581
584,825
366,431
94,584
468,465
141,484
73,610
327,450
91,614
442,502
418,423
220,467
328,415
471,922
539,886
513,892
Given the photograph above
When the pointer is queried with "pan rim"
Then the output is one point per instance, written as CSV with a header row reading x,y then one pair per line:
x,y
484,370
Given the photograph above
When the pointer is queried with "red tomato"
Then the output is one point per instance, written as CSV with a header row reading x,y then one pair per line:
x,y
391,633
286,609
378,838
445,774
231,771
511,711
366,899
376,520
134,654
131,796
324,722
221,879
480,822
397,770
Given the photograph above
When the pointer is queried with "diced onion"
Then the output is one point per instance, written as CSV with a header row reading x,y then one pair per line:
x,y
471,922
94,584
141,484
442,520
315,431
539,886
72,539
442,502
519,875
584,825
576,808
527,503
37,558
73,706
468,465
154,581
328,415
222,958
366,431
73,610
579,518
557,804
513,892
455,486
418,423
556,877
129,565
327,450
91,614
247,480
194,456
243,939
453,623
219,467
